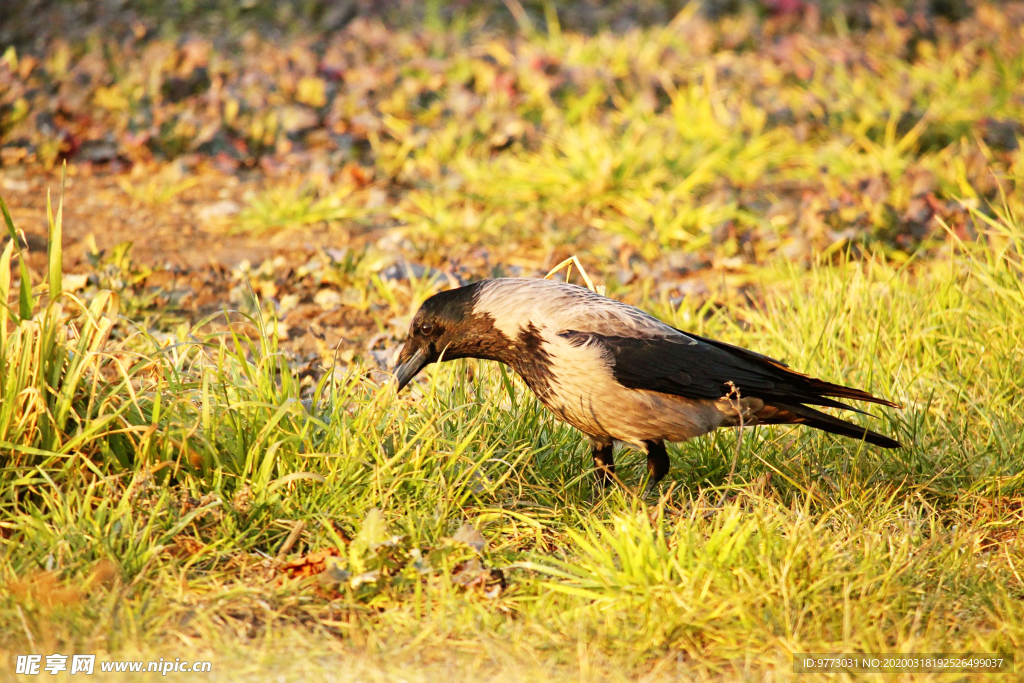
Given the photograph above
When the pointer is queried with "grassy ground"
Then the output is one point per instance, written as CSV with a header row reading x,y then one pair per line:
x,y
205,487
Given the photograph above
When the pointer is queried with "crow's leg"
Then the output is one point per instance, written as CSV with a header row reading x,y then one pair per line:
x,y
604,460
657,463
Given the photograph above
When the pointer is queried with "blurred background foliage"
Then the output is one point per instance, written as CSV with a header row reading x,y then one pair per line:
x,y
29,20
674,148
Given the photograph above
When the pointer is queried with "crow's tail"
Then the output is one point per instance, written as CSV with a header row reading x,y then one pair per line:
x,y
799,414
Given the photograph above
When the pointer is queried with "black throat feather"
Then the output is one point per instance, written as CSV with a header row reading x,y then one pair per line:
x,y
532,360
472,333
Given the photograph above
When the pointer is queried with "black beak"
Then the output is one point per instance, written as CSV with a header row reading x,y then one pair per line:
x,y
410,367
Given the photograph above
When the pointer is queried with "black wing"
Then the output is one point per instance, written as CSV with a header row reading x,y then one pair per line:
x,y
695,367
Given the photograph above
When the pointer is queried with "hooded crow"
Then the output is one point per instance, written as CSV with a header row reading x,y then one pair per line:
x,y
617,373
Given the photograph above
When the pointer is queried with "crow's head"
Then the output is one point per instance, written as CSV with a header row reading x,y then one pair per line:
x,y
445,328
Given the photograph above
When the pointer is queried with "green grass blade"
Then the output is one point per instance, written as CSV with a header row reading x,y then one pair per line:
x,y
26,303
55,255
5,290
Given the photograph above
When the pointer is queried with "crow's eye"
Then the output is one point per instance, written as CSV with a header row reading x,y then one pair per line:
x,y
426,329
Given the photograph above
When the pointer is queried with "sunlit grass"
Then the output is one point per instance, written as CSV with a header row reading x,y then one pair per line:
x,y
153,486
298,207
158,189
144,508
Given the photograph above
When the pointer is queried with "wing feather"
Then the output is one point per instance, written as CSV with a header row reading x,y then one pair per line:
x,y
691,366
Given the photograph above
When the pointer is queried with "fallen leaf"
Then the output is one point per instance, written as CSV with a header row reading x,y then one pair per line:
x,y
309,565
469,535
